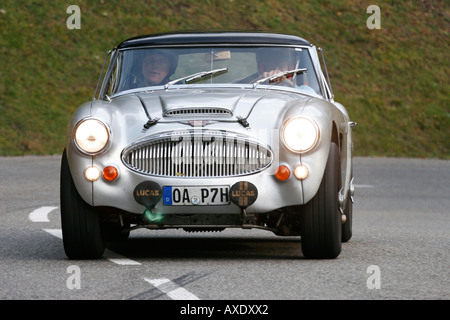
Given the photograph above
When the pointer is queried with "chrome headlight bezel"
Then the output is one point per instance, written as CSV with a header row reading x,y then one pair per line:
x,y
297,128
91,136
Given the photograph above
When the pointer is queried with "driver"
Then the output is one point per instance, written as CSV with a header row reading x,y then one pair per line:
x,y
157,67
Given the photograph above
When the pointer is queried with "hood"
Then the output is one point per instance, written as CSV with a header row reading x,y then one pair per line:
x,y
256,113
214,104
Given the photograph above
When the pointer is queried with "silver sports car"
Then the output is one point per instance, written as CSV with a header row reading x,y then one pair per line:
x,y
207,131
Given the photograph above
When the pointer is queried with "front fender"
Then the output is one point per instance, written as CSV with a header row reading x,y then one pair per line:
x,y
315,159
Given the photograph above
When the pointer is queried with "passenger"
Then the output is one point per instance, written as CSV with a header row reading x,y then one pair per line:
x,y
272,61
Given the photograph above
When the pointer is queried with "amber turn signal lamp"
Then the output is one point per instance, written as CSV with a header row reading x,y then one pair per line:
x,y
110,173
282,173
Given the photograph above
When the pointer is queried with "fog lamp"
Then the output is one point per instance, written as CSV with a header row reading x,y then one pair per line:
x,y
92,173
301,172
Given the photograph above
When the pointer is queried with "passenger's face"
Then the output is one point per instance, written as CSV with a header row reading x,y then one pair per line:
x,y
155,68
273,65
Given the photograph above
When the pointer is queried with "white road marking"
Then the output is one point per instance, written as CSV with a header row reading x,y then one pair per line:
x,y
171,289
119,259
174,291
54,232
364,186
41,214
110,255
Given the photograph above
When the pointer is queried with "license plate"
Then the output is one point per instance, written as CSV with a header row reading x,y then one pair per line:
x,y
196,196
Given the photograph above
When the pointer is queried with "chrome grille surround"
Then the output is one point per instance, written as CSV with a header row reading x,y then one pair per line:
x,y
197,154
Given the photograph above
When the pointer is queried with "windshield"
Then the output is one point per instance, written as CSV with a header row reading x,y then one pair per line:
x,y
148,68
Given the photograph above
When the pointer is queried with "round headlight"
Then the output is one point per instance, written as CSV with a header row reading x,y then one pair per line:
x,y
300,134
91,136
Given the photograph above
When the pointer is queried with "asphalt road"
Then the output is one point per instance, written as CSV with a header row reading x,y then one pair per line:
x,y
399,250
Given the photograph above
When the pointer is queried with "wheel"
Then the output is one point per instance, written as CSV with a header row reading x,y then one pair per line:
x,y
321,221
80,222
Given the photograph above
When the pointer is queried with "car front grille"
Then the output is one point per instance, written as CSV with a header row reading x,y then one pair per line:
x,y
197,154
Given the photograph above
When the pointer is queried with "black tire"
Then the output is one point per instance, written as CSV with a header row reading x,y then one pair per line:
x,y
80,222
321,221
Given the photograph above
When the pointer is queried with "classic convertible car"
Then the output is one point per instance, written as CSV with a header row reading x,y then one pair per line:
x,y
208,131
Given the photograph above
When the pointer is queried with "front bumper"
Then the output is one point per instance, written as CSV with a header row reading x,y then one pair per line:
x,y
272,194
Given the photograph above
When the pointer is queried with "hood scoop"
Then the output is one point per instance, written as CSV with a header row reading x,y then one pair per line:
x,y
199,111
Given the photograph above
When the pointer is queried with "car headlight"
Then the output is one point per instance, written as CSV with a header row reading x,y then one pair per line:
x,y
91,136
300,134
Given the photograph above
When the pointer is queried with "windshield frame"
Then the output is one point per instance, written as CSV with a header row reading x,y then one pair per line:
x,y
116,57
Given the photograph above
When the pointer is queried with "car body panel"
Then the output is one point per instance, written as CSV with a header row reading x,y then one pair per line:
x,y
264,108
121,114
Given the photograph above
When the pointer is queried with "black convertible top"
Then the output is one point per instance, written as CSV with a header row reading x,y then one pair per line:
x,y
183,38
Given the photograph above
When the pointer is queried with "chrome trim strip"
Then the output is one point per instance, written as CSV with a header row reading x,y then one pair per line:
x,y
197,111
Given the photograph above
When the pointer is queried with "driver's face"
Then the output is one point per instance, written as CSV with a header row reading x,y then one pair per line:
x,y
155,68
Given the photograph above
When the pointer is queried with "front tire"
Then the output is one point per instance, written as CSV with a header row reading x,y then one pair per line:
x,y
80,222
321,221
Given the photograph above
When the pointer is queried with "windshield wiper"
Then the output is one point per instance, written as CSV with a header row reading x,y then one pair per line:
x,y
278,76
197,76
